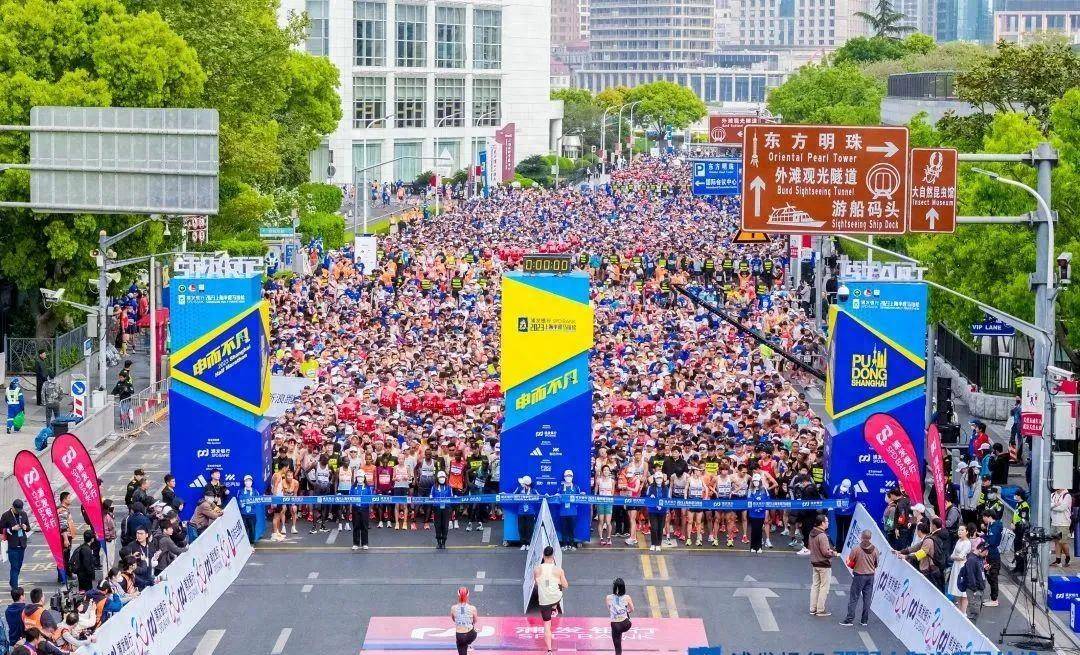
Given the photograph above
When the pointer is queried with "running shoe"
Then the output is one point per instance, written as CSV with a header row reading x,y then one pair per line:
x,y
745,539
379,525
314,530
355,547
348,527
364,547
803,551
294,530
631,542
697,542
730,542
768,544
340,526
413,526
523,547
784,532
468,527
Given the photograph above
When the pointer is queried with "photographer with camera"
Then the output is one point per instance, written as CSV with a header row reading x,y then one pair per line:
x,y
82,563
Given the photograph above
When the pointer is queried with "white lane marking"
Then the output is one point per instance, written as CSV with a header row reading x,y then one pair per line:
x,y
480,575
332,537
840,592
759,602
306,589
209,642
486,539
867,641
279,645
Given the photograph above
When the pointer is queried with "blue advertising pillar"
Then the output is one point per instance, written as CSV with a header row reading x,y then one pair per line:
x,y
547,335
875,391
220,384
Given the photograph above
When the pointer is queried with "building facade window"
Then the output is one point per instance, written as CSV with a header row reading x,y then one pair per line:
x,y
450,147
369,101
410,98
408,169
449,102
486,105
487,38
450,37
370,47
318,34
411,21
366,154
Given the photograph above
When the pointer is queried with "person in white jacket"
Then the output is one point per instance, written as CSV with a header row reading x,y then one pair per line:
x,y
1061,503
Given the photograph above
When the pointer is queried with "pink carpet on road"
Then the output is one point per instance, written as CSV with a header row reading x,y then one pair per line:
x,y
518,635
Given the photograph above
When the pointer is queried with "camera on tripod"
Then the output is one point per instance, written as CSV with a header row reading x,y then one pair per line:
x,y
1038,535
66,599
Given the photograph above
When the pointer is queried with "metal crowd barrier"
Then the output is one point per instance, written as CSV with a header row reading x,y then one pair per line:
x,y
146,407
721,504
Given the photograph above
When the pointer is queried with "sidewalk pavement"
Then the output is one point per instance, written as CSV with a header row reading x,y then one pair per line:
x,y
12,443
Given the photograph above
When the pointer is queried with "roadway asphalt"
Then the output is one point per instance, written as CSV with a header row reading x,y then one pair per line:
x,y
312,593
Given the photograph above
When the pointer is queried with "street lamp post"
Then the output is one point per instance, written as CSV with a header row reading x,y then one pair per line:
x,y
367,126
603,142
632,127
631,106
472,148
1045,310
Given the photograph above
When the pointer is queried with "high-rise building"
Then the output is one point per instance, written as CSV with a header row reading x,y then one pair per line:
x,y
946,19
819,24
423,79
1022,20
569,21
638,41
975,20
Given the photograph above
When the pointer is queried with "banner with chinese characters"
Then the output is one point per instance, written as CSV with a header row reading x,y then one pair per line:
x,y
34,484
912,608
71,459
220,390
875,389
547,335
159,619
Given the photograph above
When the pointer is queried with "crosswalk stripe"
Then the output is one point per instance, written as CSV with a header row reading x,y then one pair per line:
x,y
279,645
654,601
661,566
669,600
209,642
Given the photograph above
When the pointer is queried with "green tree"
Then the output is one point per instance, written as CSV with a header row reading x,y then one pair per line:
x,y
581,115
1032,77
78,53
953,56
831,95
885,21
275,103
666,104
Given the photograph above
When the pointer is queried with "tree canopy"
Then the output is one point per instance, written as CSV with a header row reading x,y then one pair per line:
x,y
666,104
831,95
885,21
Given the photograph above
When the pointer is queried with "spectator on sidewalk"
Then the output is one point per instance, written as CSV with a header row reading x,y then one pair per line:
x,y
863,562
999,466
821,554
207,512
992,530
15,525
53,395
166,549
972,579
13,615
41,374
1061,505
168,494
81,563
143,555
132,485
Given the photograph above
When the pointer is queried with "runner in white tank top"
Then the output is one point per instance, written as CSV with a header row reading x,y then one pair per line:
x,y
550,584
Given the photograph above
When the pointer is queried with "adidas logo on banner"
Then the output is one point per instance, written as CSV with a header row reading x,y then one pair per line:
x,y
860,487
536,452
198,483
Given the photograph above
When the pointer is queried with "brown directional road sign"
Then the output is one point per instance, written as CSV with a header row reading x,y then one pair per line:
x,y
805,179
727,129
932,205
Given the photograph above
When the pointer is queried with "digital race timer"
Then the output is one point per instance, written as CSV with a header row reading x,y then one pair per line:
x,y
546,263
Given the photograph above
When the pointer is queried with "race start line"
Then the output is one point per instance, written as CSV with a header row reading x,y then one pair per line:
x,y
518,635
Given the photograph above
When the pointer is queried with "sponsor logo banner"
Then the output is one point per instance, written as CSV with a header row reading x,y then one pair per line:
x,y
284,391
936,461
230,361
39,495
919,615
891,442
159,619
71,459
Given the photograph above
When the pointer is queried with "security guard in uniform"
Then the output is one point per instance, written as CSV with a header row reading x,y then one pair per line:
x,y
710,270
728,267
425,286
456,283
1021,517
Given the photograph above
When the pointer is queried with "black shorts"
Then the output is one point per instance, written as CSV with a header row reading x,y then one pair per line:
x,y
546,611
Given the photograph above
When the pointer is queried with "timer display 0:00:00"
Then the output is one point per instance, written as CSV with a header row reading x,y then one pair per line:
x,y
546,264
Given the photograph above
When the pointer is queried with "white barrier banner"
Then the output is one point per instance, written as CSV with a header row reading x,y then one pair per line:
x,y
365,247
913,609
544,534
159,619
284,390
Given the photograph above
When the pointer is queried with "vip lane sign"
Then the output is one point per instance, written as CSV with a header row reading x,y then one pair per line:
x,y
825,180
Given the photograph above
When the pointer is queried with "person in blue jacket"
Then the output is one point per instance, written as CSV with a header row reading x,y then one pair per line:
x,y
844,491
361,487
247,512
755,513
526,517
658,488
442,510
568,511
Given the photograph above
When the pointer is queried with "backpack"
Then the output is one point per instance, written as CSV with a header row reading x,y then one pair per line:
x,y
124,538
41,441
52,392
940,559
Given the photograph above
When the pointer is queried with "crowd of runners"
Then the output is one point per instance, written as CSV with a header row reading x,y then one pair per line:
x,y
405,394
